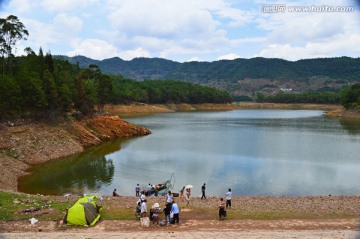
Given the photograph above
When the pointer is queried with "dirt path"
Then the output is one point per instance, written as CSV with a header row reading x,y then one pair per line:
x,y
259,234
270,229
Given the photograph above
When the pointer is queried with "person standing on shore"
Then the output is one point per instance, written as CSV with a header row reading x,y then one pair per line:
x,y
181,194
175,210
187,196
137,190
142,196
143,208
222,214
149,187
203,192
138,210
169,198
167,211
228,198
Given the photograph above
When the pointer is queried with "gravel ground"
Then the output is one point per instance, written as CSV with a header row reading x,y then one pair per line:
x,y
319,217
258,234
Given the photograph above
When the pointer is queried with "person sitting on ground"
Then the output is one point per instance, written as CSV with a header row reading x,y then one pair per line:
x,y
222,214
115,193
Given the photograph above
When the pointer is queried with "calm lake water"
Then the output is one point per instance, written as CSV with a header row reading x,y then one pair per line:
x,y
253,152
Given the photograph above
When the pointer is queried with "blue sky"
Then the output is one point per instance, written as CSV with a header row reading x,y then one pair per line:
x,y
187,30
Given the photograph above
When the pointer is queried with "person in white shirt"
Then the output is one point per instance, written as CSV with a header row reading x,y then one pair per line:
x,y
143,208
169,197
142,196
228,198
137,190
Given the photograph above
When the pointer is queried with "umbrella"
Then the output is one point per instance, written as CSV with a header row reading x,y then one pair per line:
x,y
189,186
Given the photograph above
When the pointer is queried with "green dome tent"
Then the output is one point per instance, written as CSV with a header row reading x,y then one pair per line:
x,y
84,212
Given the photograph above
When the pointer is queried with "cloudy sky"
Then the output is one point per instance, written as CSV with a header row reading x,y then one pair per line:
x,y
188,30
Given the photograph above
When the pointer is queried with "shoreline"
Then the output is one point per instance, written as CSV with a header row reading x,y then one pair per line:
x,y
24,144
137,109
34,143
269,216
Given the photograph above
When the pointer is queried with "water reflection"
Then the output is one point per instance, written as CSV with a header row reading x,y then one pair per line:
x,y
351,125
85,172
254,152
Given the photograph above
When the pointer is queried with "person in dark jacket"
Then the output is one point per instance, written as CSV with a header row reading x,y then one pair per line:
x,y
203,191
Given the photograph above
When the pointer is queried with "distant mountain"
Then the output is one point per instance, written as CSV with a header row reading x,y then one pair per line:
x,y
240,77
136,69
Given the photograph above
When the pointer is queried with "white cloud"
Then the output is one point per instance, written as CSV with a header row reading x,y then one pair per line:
x,y
182,29
21,6
302,35
167,28
237,16
138,52
41,34
65,5
193,59
345,45
170,19
93,48
67,24
230,56
300,28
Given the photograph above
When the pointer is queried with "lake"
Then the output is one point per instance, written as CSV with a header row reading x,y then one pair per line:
x,y
253,152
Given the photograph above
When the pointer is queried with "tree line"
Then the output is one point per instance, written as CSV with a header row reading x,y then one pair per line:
x,y
37,85
350,97
308,97
42,87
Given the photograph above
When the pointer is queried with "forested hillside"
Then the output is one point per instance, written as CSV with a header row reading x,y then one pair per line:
x,y
242,77
39,86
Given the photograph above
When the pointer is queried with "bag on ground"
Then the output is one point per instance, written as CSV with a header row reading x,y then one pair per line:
x,y
145,222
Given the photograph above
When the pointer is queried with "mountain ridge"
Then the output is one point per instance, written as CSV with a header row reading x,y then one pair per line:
x,y
240,77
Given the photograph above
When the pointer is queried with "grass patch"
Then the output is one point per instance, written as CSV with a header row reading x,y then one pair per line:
x,y
13,205
9,152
